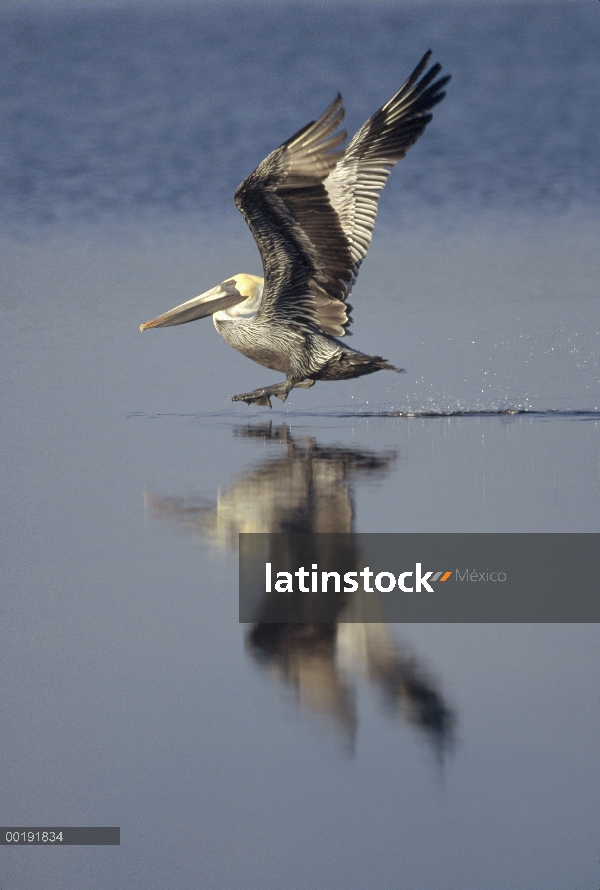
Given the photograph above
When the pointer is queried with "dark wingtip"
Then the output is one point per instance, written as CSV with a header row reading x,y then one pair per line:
x,y
422,65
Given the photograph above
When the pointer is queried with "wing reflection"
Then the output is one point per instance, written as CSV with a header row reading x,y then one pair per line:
x,y
304,487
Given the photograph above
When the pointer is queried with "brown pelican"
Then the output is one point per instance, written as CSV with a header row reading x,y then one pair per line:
x,y
311,208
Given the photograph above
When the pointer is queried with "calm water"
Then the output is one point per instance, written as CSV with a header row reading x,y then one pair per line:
x,y
423,755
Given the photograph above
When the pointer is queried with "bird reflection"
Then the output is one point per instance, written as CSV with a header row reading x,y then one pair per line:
x,y
304,487
301,487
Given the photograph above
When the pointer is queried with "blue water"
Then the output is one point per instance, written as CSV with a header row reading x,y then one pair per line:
x,y
130,112
419,755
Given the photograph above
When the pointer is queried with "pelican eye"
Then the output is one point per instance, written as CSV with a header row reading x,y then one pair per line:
x,y
231,287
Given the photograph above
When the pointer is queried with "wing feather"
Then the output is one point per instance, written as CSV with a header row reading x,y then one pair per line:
x,y
356,181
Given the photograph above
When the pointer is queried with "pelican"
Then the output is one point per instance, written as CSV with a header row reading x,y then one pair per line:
x,y
311,208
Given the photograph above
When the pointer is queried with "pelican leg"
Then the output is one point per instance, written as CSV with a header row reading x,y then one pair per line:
x,y
263,396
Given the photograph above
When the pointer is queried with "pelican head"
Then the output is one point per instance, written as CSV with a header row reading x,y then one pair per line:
x,y
237,297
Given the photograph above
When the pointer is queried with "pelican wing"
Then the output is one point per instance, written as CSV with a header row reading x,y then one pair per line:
x,y
305,252
311,207
354,184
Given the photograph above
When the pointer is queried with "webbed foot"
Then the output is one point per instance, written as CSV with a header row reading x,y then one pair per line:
x,y
263,396
253,398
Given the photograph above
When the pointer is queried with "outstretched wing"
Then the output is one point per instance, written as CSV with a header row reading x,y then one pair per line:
x,y
305,253
354,184
311,207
